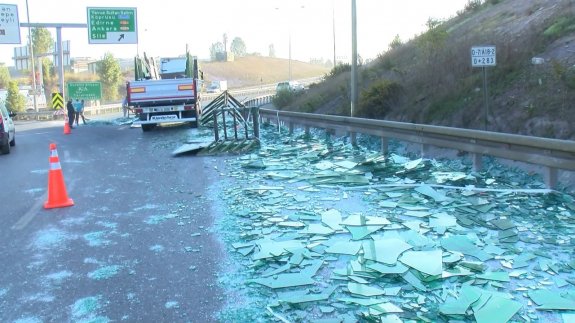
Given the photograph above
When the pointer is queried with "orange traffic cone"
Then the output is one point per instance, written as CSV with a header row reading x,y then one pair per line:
x,y
57,196
67,128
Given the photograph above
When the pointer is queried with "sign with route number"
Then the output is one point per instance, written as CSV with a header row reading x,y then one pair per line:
x,y
9,24
84,90
483,56
112,25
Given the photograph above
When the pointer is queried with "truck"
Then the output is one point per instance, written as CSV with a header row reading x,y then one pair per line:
x,y
217,86
165,92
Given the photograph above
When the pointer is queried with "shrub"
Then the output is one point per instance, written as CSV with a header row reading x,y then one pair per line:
x,y
472,5
395,43
283,98
338,69
379,99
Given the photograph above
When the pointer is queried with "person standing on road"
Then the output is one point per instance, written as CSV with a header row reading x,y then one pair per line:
x,y
125,107
80,113
71,113
77,107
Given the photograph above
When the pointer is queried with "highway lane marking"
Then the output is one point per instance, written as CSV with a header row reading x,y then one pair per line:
x,y
24,134
33,211
29,216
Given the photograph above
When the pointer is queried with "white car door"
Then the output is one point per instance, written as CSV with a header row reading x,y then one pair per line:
x,y
8,123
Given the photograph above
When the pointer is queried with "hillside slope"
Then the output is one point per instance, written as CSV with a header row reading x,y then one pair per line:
x,y
257,70
430,79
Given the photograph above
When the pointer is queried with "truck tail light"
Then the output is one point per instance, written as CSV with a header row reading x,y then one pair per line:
x,y
138,110
186,87
1,123
140,89
188,107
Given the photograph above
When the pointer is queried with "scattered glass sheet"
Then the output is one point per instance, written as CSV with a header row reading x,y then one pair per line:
x,y
428,262
501,276
430,192
497,309
360,232
332,218
398,268
364,290
385,250
284,280
345,247
464,245
313,253
361,220
549,300
305,297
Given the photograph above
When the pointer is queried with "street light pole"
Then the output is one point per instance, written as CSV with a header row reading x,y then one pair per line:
x,y
32,59
353,58
333,25
289,43
289,54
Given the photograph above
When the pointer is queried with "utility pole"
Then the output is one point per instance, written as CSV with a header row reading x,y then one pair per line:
x,y
353,58
32,58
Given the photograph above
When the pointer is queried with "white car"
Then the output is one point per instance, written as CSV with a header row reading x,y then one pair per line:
x,y
7,130
292,86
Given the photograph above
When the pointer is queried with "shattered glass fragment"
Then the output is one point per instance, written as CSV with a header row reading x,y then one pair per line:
x,y
428,262
364,290
385,250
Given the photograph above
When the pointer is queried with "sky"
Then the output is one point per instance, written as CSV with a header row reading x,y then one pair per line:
x,y
166,27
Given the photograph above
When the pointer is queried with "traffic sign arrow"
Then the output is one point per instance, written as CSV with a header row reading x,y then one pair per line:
x,y
121,37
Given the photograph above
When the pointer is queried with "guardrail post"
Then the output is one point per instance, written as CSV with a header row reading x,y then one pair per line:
x,y
551,178
291,126
216,131
424,150
224,123
477,161
353,138
235,126
256,121
384,146
307,131
329,133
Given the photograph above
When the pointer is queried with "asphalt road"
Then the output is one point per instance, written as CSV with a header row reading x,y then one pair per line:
x,y
136,246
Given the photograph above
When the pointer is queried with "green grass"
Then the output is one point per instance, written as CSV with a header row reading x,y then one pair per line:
x,y
561,27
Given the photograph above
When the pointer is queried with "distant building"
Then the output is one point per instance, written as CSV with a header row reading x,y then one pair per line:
x,y
225,57
81,64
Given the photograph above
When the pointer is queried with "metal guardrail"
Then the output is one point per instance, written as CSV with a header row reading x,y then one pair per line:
x,y
554,154
60,114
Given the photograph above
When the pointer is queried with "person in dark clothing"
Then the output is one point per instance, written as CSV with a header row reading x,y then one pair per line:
x,y
71,113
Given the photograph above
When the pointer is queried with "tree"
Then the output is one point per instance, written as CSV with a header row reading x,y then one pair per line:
x,y
215,49
42,41
110,76
15,101
395,43
272,51
4,76
238,47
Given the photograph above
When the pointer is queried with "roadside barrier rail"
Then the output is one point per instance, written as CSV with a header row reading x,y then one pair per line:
x,y
553,154
60,114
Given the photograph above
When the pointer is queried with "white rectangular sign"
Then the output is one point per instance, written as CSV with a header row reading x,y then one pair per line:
x,y
482,56
9,24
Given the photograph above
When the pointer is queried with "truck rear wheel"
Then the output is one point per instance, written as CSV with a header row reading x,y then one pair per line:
x,y
148,127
